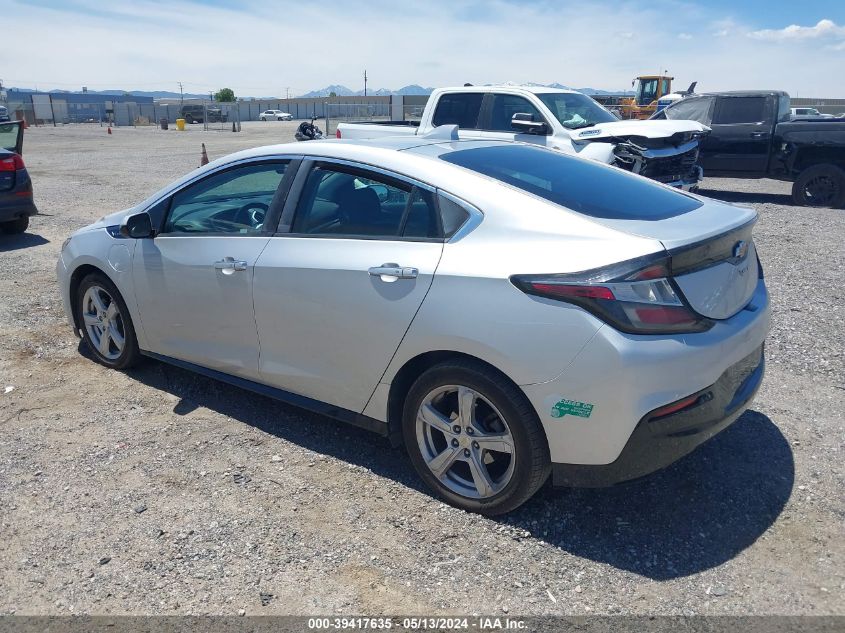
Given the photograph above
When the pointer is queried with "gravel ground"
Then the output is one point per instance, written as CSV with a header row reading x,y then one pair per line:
x,y
160,492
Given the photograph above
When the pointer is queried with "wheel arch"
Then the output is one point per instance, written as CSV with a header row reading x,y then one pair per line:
x,y
413,369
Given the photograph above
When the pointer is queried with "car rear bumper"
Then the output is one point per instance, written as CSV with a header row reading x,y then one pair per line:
x,y
658,442
12,208
593,408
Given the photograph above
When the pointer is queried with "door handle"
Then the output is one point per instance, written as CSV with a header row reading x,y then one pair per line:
x,y
229,265
759,135
393,270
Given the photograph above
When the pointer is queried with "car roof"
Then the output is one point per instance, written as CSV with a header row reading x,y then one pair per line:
x,y
741,93
506,87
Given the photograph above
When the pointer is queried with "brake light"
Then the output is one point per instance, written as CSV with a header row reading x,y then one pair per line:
x,y
13,163
638,297
337,134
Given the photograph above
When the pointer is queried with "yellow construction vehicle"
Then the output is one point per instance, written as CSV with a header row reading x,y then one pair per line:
x,y
649,88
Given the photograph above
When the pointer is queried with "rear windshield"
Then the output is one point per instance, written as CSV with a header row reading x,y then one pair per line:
x,y
578,184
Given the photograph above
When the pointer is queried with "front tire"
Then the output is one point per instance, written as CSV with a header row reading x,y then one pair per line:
x,y
474,438
263,118
820,186
15,227
106,326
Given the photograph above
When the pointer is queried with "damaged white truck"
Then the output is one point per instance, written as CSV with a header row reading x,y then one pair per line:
x,y
564,120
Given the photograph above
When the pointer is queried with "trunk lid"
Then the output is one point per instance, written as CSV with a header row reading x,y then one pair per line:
x,y
714,261
11,137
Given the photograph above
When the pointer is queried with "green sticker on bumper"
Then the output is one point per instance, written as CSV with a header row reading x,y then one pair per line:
x,y
572,407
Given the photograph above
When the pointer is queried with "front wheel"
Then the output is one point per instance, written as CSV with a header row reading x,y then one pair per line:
x,y
15,227
474,438
106,325
820,186
263,118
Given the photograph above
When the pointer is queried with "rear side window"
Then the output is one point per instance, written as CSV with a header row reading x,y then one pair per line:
x,y
740,110
696,109
452,215
580,185
461,109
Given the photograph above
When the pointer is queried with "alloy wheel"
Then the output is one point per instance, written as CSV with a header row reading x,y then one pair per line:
x,y
103,322
465,442
821,190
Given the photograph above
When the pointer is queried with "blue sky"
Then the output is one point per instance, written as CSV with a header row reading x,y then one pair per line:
x,y
263,47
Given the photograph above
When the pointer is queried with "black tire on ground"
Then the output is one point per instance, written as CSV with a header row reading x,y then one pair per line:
x,y
531,452
820,186
131,355
189,119
14,227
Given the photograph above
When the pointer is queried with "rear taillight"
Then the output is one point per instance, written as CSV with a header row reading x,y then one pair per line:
x,y
337,134
637,297
13,163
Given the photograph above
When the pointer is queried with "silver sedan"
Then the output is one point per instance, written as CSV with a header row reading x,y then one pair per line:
x,y
502,310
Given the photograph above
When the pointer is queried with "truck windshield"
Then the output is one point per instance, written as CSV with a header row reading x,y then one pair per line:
x,y
575,110
580,185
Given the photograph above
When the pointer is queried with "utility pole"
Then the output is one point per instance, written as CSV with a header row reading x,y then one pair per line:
x,y
287,92
365,82
181,95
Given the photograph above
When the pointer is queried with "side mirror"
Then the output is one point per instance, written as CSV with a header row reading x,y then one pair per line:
x,y
381,191
137,226
524,123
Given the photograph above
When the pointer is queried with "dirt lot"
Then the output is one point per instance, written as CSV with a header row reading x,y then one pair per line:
x,y
157,491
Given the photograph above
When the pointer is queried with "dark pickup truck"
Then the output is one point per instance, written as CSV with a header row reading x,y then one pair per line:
x,y
754,136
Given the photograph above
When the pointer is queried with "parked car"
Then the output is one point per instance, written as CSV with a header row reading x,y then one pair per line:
x,y
752,136
4,114
563,120
808,113
16,203
278,115
197,114
502,309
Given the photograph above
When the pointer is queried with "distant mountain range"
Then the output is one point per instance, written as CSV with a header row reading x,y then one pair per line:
x,y
339,90
414,89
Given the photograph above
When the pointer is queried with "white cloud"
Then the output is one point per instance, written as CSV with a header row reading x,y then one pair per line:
x,y
824,29
684,36
721,33
252,48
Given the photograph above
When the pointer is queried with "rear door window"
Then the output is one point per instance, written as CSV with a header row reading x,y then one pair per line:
x,y
459,108
580,185
731,110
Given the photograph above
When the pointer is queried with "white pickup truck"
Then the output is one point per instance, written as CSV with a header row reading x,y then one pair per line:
x,y
564,120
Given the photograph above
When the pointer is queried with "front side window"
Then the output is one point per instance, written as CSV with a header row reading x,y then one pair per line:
x,y
505,106
740,110
350,202
234,201
460,108
575,110
648,91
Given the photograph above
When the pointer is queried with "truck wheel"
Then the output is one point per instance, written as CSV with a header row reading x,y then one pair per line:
x,y
15,226
474,438
820,186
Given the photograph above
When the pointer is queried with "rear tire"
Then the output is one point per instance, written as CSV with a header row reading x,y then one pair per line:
x,y
820,186
15,227
489,455
105,322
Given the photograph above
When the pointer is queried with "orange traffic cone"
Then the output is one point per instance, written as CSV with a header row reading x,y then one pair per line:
x,y
204,157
